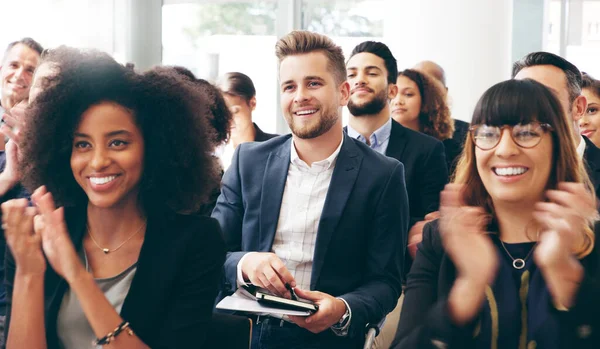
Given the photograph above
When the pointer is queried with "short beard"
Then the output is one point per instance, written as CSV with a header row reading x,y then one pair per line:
x,y
372,107
325,124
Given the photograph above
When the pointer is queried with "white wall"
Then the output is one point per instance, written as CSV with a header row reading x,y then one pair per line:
x,y
471,39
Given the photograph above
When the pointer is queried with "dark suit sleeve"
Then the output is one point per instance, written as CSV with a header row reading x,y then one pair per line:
x,y
379,294
425,320
190,314
433,178
580,326
229,211
9,278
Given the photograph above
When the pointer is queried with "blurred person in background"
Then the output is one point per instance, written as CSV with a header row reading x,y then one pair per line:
x,y
421,106
461,128
240,95
589,124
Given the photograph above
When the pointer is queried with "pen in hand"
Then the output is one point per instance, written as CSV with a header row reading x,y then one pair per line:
x,y
292,293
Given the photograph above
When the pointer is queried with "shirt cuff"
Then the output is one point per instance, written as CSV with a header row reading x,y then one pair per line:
x,y
240,276
343,331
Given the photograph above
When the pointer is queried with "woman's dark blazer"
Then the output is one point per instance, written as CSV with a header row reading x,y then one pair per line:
x,y
169,304
425,321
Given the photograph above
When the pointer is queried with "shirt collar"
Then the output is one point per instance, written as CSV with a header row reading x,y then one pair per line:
x,y
378,137
581,147
323,164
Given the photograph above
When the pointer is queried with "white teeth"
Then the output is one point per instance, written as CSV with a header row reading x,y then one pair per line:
x,y
102,180
510,171
306,112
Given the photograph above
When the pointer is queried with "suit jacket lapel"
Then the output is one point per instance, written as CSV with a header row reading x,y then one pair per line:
x,y
592,159
273,185
342,181
397,143
140,296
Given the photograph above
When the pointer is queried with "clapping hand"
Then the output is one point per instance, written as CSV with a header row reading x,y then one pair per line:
x,y
56,242
24,243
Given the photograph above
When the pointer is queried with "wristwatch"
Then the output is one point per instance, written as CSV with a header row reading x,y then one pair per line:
x,y
341,327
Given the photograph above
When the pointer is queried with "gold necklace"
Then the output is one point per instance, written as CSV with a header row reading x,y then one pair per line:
x,y
107,250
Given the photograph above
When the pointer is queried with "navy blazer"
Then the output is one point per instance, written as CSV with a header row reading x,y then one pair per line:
x,y
362,233
169,303
426,171
591,158
426,324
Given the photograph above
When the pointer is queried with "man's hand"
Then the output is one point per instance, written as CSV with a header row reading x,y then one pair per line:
x,y
330,311
14,121
266,270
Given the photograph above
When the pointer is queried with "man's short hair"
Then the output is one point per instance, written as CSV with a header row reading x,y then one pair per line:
x,y
380,50
574,77
29,42
301,42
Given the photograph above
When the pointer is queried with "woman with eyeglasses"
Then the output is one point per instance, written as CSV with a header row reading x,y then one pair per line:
x,y
512,261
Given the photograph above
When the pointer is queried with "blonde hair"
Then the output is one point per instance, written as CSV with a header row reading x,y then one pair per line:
x,y
301,42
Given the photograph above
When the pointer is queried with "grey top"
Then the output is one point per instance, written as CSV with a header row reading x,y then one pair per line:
x,y
74,330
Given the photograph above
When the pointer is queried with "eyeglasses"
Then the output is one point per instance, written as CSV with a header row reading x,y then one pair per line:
x,y
525,136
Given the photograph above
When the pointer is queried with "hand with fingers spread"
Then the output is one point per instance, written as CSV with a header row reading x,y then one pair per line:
x,y
14,121
56,242
463,232
564,218
266,270
330,311
10,176
569,210
24,243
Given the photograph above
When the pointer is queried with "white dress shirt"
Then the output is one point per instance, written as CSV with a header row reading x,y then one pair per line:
x,y
581,147
302,203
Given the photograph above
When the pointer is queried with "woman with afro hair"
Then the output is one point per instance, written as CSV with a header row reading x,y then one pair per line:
x,y
109,253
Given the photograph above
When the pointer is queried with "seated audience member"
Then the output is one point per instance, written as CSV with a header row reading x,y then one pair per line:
x,y
118,262
16,69
513,260
565,80
421,106
371,73
461,128
240,96
315,210
589,124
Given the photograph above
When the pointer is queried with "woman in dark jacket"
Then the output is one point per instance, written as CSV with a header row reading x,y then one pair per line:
x,y
421,105
125,157
513,261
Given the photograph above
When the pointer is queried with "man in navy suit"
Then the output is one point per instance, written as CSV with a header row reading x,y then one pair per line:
x,y
315,210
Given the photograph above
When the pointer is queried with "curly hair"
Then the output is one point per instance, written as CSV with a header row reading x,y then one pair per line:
x,y
179,172
434,117
219,116
591,84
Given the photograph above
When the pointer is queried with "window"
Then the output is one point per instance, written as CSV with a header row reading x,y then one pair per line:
x,y
80,23
215,37
346,22
581,32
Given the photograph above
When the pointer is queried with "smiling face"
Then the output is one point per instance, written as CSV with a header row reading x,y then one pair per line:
x,y
310,97
369,89
589,124
16,74
512,174
406,107
108,155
